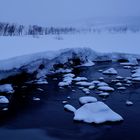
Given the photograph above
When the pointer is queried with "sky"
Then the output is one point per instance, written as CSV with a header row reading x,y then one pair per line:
x,y
47,12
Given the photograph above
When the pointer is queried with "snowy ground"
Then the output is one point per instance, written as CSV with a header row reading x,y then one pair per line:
x,y
104,42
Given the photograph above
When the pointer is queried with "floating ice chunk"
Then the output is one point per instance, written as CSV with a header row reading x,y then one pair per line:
x,y
110,71
103,94
87,99
118,84
70,108
83,83
7,88
121,88
102,84
97,112
3,100
129,103
105,88
80,79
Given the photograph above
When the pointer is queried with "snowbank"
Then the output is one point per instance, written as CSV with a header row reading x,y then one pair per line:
x,y
28,53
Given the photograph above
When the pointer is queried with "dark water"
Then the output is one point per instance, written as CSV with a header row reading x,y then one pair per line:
x,y
47,119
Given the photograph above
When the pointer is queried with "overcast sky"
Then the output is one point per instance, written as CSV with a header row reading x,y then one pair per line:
x,y
64,11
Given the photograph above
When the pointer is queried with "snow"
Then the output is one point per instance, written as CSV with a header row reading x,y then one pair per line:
x,y
119,77
97,112
83,83
102,84
136,79
41,81
129,103
91,87
86,90
3,100
88,64
80,79
110,71
67,80
6,88
36,99
83,45
70,108
105,88
101,79
103,94
64,102
118,84
121,88
87,99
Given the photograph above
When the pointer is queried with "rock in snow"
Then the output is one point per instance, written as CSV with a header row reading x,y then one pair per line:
x,y
70,108
110,71
3,100
97,112
87,99
6,88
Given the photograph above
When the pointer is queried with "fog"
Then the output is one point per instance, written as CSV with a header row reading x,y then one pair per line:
x,y
56,12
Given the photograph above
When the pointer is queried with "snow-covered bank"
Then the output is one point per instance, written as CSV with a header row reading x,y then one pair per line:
x,y
104,42
19,52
